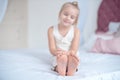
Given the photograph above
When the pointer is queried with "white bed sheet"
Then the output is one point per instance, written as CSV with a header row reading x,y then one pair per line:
x,y
35,64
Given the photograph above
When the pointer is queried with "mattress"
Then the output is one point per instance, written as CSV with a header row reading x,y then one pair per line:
x,y
36,64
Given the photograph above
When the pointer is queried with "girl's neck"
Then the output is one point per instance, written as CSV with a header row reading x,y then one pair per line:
x,y
63,30
63,27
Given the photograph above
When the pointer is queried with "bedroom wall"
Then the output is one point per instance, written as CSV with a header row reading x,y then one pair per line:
x,y
13,29
26,22
42,15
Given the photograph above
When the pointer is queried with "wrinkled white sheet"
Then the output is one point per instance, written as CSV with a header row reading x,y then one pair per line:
x,y
35,64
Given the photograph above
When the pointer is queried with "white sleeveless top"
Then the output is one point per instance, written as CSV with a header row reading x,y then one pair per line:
x,y
63,43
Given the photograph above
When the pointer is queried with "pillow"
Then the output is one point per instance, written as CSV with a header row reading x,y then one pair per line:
x,y
107,46
89,44
113,27
117,34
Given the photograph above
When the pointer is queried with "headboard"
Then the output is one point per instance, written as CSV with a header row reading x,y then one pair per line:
x,y
109,11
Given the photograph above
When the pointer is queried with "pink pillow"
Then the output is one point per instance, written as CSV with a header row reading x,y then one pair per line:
x,y
107,46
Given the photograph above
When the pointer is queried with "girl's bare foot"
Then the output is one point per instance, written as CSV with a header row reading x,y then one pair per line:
x,y
62,64
73,62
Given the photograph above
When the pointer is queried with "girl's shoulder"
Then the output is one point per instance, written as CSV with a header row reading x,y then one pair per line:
x,y
76,30
50,29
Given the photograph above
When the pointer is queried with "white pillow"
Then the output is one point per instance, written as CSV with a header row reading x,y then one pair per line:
x,y
113,27
117,34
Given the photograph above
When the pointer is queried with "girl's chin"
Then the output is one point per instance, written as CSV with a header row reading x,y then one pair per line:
x,y
66,24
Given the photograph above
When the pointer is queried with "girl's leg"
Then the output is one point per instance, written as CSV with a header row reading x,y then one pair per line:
x,y
62,64
73,62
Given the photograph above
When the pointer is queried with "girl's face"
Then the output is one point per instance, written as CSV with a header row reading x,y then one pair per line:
x,y
68,16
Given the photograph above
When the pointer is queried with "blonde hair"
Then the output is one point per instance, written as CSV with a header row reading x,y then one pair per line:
x,y
75,5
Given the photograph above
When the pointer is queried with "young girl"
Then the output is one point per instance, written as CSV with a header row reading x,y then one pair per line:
x,y
63,40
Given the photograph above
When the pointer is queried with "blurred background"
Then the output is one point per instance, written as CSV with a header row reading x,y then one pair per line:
x,y
24,23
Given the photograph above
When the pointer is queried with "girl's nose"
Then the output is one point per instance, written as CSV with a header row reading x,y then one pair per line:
x,y
68,17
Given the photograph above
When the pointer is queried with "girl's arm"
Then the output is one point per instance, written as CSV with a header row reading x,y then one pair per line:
x,y
75,43
51,41
52,45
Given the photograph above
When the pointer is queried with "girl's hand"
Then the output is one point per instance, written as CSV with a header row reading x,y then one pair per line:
x,y
72,53
61,52
68,53
58,51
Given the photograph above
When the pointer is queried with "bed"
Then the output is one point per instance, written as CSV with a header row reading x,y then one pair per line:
x,y
35,64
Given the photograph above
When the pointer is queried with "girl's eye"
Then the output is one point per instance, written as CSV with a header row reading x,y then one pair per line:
x,y
65,14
